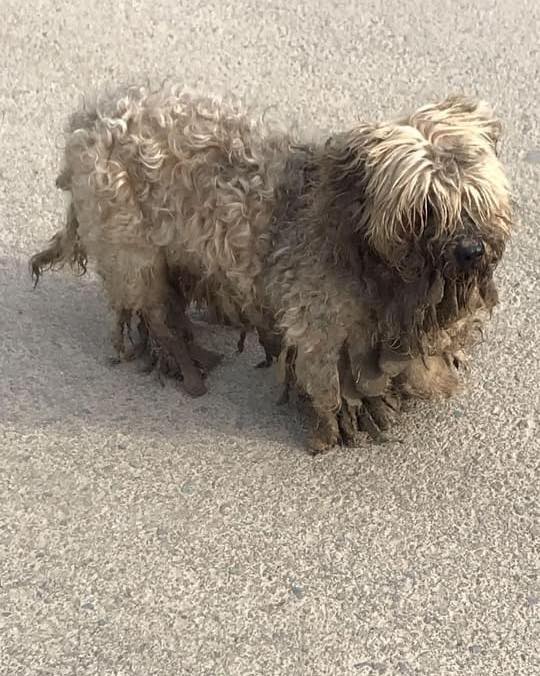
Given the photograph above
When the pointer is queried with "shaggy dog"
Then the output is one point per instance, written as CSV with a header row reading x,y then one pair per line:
x,y
365,260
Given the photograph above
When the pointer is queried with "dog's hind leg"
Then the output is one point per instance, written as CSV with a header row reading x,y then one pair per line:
x,y
136,283
271,343
132,348
175,347
182,291
121,323
178,318
286,364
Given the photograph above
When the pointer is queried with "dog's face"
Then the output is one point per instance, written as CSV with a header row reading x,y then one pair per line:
x,y
429,200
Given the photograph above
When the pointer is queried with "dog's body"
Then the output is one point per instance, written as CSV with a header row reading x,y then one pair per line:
x,y
366,258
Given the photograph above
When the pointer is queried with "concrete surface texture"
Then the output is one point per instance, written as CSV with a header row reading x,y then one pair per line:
x,y
145,533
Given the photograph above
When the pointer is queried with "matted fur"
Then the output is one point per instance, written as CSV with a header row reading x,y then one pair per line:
x,y
344,249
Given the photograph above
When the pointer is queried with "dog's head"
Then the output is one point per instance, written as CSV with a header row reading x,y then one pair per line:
x,y
424,200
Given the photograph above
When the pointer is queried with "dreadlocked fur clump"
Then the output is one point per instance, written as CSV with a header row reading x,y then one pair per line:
x,y
365,260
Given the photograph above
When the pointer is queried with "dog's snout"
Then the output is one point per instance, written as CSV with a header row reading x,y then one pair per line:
x,y
469,251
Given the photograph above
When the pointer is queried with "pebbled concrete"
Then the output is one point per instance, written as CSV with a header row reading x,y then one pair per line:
x,y
144,533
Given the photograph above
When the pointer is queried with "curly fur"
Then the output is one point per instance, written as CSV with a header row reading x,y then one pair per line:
x,y
340,247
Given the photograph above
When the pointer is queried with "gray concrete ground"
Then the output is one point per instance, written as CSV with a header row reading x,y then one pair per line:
x,y
145,533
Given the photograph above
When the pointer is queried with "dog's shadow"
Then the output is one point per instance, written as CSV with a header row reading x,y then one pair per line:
x,y
56,369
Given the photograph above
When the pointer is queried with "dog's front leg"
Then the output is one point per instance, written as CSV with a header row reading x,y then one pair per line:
x,y
316,374
368,403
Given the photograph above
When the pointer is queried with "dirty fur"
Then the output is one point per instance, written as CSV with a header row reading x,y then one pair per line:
x,y
341,251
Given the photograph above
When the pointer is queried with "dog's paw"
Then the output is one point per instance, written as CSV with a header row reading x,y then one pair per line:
x,y
372,416
383,410
207,360
265,363
324,437
193,385
164,365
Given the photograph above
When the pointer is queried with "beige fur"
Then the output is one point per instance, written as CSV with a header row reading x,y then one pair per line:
x,y
345,249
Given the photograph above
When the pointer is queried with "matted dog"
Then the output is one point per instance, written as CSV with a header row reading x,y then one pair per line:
x,y
370,254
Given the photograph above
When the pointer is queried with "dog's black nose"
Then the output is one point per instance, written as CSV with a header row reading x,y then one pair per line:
x,y
469,250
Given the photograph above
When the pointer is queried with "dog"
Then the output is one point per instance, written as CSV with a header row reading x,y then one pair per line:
x,y
367,257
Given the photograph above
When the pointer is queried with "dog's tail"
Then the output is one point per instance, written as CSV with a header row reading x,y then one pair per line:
x,y
65,246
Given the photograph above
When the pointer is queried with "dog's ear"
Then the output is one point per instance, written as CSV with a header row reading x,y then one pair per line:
x,y
344,160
